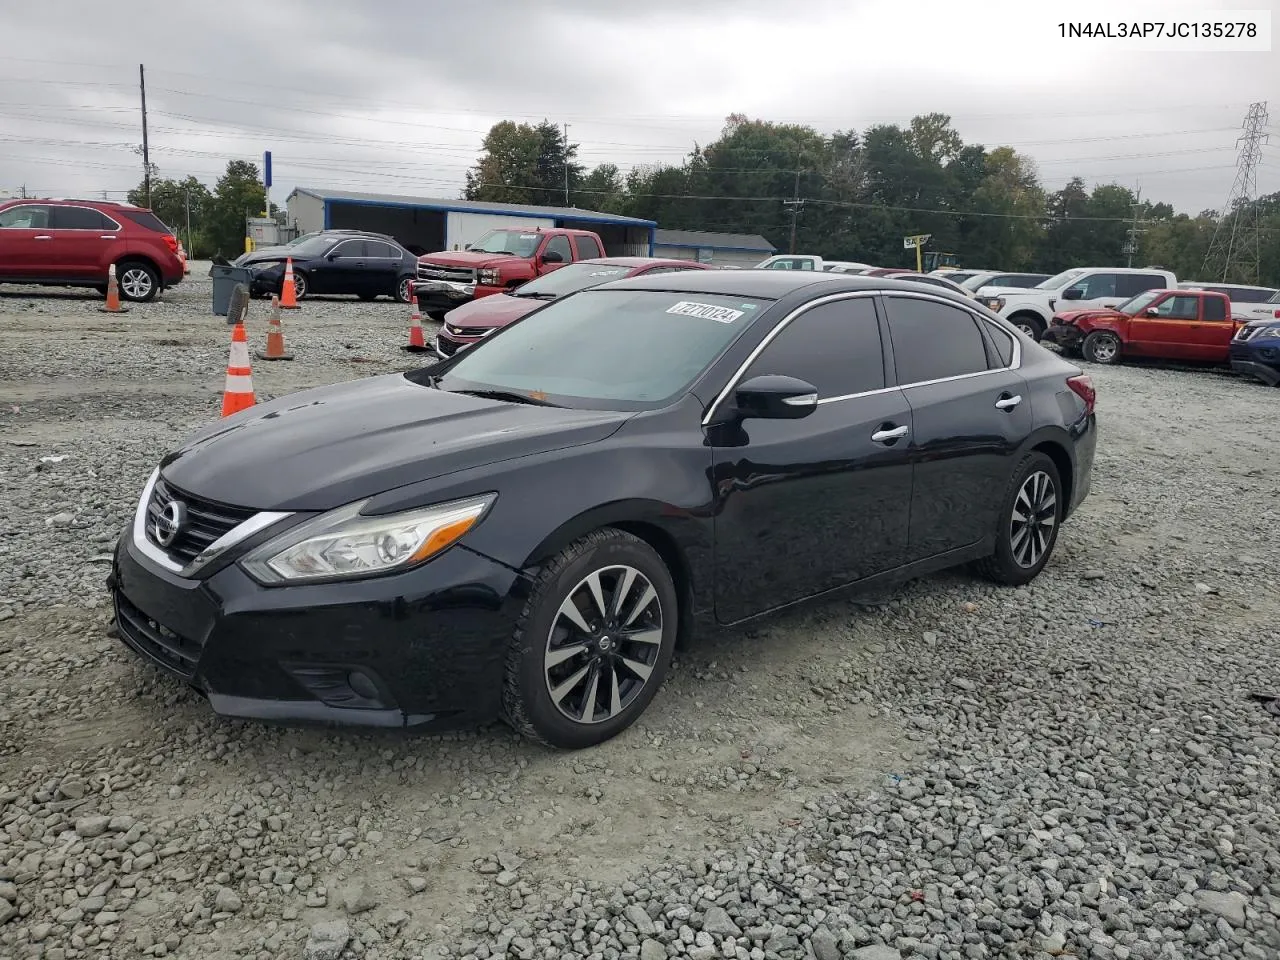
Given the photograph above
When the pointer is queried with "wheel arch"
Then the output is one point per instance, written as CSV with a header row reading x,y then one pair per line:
x,y
1055,443
658,525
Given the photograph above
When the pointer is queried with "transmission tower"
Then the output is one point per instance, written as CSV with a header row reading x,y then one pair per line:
x,y
1234,251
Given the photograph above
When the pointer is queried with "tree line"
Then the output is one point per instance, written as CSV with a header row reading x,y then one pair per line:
x,y
216,217
861,193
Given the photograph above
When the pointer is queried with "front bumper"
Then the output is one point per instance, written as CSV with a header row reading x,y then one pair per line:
x,y
422,649
1064,335
446,295
1252,359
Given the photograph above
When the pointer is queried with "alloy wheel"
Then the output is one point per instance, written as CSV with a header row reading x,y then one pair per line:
x,y
1105,349
1035,515
299,286
603,644
136,283
404,290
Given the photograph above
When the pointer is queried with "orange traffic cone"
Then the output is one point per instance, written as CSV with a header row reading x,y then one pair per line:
x,y
288,292
237,395
275,336
113,293
416,344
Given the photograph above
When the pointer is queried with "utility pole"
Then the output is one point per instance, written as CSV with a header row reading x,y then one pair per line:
x,y
24,191
1235,250
566,164
146,152
187,195
1131,246
795,204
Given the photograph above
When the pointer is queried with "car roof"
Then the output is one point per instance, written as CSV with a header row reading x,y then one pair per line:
x,y
771,284
644,262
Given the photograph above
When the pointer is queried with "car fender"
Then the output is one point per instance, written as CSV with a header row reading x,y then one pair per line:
x,y
1017,305
514,272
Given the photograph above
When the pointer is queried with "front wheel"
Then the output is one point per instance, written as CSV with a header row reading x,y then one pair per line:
x,y
1030,514
300,288
1029,324
1102,346
403,288
593,643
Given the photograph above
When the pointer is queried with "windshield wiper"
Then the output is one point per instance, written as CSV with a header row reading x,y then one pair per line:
x,y
535,296
507,395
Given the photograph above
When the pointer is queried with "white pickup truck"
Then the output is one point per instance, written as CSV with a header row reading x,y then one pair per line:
x,y
809,261
1082,288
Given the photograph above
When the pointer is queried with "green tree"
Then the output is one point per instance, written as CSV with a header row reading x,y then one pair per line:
x,y
522,163
603,189
170,201
237,195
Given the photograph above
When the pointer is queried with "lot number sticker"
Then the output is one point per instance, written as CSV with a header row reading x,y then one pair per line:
x,y
707,311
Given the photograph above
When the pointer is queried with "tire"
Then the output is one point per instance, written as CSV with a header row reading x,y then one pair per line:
x,y
551,651
402,289
300,286
1102,346
1013,564
1029,324
139,282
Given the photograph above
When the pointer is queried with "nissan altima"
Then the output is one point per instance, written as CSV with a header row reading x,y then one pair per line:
x,y
524,531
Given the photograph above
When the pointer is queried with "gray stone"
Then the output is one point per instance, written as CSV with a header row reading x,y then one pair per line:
x,y
717,922
227,901
327,940
637,917
824,943
88,828
877,952
1229,906
8,891
652,950
416,884
359,898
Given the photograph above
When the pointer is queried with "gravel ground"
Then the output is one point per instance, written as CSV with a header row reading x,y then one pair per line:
x,y
1077,768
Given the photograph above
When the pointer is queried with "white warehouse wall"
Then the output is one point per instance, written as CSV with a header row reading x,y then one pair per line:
x,y
306,211
463,228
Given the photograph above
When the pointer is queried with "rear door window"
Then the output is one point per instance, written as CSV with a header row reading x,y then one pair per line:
x,y
834,346
351,250
1215,308
933,341
1131,284
79,218
588,249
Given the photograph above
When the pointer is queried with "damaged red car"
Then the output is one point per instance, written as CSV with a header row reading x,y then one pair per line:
x,y
1164,324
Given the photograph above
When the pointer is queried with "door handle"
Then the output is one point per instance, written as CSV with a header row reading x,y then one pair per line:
x,y
107,236
44,237
890,434
1007,402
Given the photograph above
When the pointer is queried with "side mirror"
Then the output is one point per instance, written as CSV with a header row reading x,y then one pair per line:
x,y
552,257
332,256
1152,311
466,246
1073,293
772,397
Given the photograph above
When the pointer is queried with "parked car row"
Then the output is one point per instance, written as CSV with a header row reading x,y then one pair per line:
x,y
525,528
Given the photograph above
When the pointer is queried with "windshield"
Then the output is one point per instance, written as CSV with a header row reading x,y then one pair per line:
x,y
311,247
515,242
1275,298
303,238
977,281
1139,303
1061,280
571,278
606,349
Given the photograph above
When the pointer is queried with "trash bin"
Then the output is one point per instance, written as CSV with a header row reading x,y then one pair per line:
x,y
225,279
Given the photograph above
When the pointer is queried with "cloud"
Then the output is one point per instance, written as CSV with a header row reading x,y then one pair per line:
x,y
396,96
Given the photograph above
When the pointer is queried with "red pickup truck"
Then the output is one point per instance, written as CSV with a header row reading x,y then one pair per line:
x,y
1169,324
498,262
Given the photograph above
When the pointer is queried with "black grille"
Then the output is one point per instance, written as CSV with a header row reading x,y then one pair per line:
x,y
206,521
446,347
469,331
155,642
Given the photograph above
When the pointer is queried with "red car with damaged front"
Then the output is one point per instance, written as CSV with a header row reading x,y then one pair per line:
x,y
472,322
1158,324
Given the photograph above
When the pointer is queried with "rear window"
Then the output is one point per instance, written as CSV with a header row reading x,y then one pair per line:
x,y
145,218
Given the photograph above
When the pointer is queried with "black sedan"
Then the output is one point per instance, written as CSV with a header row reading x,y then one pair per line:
x,y
525,530
366,265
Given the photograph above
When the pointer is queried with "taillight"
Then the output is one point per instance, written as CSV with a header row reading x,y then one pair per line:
x,y
1082,386
1278,314
172,242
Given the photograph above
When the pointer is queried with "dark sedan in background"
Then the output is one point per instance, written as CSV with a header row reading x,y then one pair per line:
x,y
525,529
367,265
470,323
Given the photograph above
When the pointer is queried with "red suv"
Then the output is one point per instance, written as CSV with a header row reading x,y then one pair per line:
x,y
72,243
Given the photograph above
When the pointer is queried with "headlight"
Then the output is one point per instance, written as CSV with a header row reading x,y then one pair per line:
x,y
343,545
490,277
994,303
1267,333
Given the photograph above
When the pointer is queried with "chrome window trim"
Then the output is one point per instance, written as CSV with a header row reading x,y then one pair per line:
x,y
238,533
857,294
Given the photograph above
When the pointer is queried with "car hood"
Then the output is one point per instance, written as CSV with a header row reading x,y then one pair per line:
x,y
1006,292
325,447
495,310
467,258
277,255
1075,316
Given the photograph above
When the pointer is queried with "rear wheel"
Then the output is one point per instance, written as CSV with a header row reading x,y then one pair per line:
x,y
1030,514
1102,346
138,281
593,644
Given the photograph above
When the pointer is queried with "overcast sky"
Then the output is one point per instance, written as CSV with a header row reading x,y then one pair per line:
x,y
396,97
